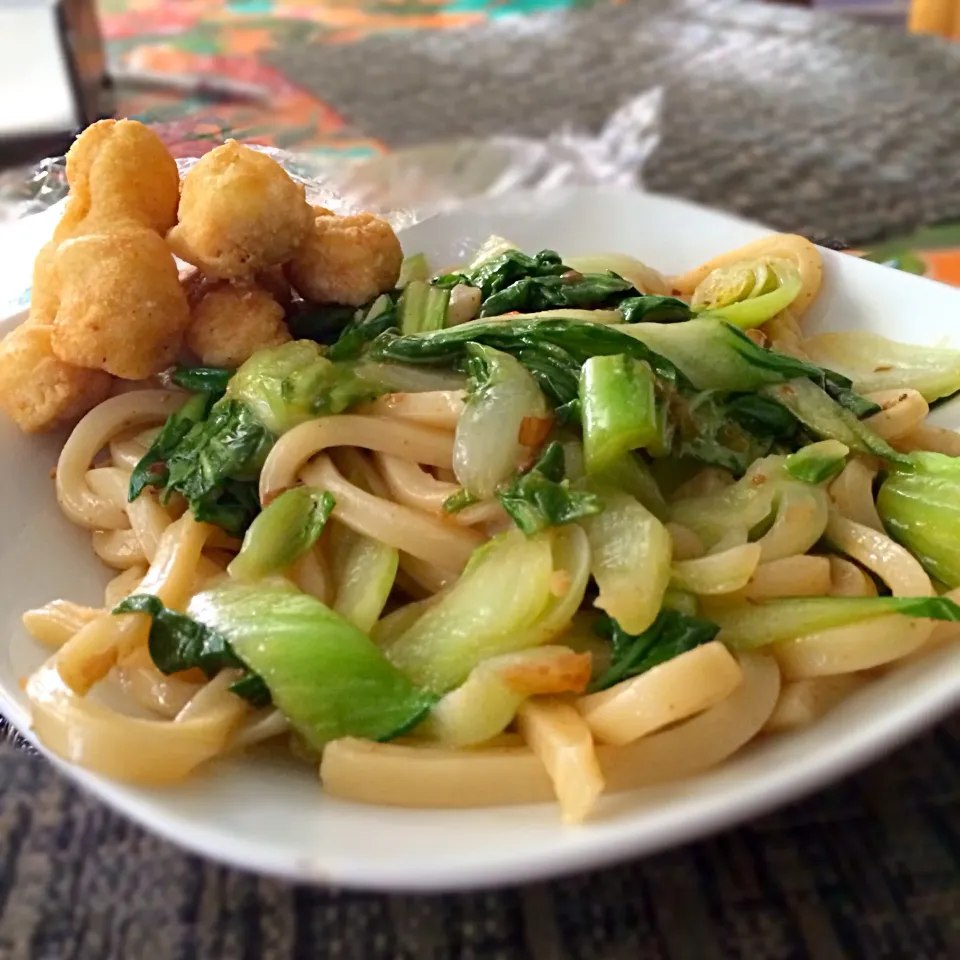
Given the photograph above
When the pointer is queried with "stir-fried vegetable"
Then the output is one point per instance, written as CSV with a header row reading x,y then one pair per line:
x,y
177,642
326,676
488,446
216,464
618,409
919,504
515,282
364,326
654,309
503,602
756,625
817,462
152,468
422,308
364,571
630,553
211,381
286,529
288,385
825,418
671,634
874,363
212,454
748,294
542,497
724,428
415,267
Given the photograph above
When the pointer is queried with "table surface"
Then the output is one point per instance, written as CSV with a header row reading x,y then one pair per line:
x,y
818,125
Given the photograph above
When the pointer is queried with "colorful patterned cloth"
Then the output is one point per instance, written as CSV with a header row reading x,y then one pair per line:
x,y
226,38
230,38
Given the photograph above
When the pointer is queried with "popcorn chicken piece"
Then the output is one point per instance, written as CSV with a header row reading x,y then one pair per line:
x,y
37,390
121,308
119,171
346,260
239,213
44,298
231,322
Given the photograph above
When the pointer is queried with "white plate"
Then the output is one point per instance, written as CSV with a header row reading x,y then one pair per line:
x,y
272,817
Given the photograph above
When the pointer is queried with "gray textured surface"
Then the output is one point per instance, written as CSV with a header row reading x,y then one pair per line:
x,y
868,869
807,122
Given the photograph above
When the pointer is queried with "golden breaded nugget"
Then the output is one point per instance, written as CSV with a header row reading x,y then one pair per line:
x,y
239,213
122,308
230,322
38,390
44,298
346,260
119,171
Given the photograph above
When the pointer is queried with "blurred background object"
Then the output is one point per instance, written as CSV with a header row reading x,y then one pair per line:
x,y
53,78
941,17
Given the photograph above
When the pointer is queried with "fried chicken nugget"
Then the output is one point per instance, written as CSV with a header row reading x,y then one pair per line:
x,y
122,308
119,171
239,213
44,298
230,322
39,391
346,260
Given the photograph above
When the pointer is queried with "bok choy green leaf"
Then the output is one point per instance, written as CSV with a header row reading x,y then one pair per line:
x,y
216,464
325,675
671,634
366,325
152,467
514,282
825,418
817,462
919,504
650,308
542,497
286,528
210,381
761,623
177,642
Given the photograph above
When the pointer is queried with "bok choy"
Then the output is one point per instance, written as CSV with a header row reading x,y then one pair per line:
x,y
516,592
670,634
178,642
212,455
760,624
630,554
514,282
325,675
543,497
748,294
618,408
919,504
288,527
875,363
488,445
